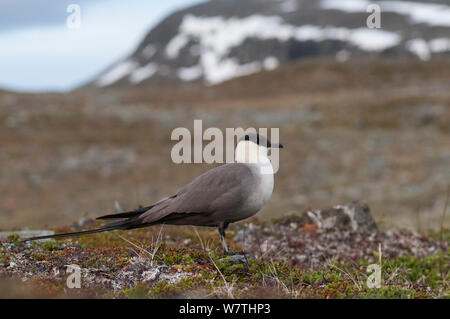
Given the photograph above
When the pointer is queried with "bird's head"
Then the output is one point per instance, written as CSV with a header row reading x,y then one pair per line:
x,y
254,148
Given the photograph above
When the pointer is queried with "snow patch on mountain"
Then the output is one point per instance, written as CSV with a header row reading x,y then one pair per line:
x,y
190,73
220,40
143,73
423,49
345,5
118,72
429,13
175,45
218,35
439,45
270,63
289,6
149,51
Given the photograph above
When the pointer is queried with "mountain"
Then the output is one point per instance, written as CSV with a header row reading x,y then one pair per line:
x,y
221,39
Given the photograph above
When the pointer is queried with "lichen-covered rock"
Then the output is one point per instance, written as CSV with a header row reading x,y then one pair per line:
x,y
239,258
354,217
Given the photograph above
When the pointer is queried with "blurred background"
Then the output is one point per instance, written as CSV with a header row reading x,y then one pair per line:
x,y
89,95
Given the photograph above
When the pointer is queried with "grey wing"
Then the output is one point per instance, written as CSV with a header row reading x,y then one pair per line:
x,y
217,191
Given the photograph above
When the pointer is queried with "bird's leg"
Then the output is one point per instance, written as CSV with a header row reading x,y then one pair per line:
x,y
222,228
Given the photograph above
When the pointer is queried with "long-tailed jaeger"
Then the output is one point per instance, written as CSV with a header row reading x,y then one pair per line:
x,y
220,196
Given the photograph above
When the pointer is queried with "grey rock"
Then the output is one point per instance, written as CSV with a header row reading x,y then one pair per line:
x,y
355,217
27,233
240,258
240,235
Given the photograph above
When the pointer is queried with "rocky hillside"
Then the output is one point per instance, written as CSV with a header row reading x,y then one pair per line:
x,y
221,39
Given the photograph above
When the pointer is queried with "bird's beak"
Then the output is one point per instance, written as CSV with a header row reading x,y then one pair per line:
x,y
276,145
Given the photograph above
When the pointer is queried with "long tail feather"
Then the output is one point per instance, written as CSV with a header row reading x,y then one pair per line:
x,y
131,222
79,233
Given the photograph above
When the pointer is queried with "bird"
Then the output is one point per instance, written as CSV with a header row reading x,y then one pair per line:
x,y
220,196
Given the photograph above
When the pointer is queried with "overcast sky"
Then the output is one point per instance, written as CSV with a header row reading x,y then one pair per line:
x,y
38,52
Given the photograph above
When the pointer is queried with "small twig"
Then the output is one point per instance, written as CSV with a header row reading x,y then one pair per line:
x,y
273,270
118,207
444,212
392,276
348,275
259,245
156,245
199,238
379,255
229,287
135,245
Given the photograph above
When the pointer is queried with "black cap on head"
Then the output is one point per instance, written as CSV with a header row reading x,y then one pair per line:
x,y
260,140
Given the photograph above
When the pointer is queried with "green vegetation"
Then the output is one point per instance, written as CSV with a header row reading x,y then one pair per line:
x,y
405,277
205,272
14,238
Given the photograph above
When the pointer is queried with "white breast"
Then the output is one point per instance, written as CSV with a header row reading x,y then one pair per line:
x,y
256,157
266,183
262,189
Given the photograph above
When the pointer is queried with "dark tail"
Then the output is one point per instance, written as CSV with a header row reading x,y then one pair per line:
x,y
132,221
122,224
132,213
78,233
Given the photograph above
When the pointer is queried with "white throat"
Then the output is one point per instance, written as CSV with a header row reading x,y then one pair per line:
x,y
251,153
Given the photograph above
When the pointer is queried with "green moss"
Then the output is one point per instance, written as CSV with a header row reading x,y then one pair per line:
x,y
4,257
139,292
171,257
39,256
14,239
443,234
51,245
163,290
